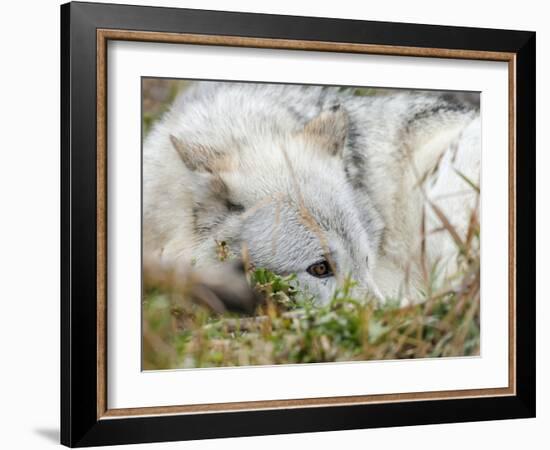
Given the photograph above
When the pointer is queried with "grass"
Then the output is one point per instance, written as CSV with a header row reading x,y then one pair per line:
x,y
158,95
287,328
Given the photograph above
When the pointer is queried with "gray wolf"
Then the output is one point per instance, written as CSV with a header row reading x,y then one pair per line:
x,y
314,181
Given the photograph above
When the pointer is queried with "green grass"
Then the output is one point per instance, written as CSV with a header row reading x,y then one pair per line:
x,y
288,328
154,108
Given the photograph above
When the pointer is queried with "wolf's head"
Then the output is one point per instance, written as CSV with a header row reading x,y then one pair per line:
x,y
282,194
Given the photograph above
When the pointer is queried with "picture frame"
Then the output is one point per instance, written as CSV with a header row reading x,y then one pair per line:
x,y
86,29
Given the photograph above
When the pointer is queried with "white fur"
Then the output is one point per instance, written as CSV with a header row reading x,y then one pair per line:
x,y
275,151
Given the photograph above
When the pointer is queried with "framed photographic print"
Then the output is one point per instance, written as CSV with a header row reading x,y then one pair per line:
x,y
276,224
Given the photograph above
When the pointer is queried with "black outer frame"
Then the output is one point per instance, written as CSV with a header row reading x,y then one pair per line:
x,y
79,423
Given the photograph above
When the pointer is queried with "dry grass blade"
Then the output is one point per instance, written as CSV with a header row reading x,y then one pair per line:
x,y
449,227
470,183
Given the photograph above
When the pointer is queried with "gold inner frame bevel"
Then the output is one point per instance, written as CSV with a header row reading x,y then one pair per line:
x,y
103,36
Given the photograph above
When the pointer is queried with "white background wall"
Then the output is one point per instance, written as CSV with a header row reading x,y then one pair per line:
x,y
29,223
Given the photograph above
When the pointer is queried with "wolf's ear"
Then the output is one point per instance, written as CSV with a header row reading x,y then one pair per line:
x,y
212,202
196,157
329,130
210,193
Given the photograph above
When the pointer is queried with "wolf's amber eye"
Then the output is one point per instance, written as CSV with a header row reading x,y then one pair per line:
x,y
320,269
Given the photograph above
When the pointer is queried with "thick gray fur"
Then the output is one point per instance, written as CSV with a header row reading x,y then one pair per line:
x,y
292,175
